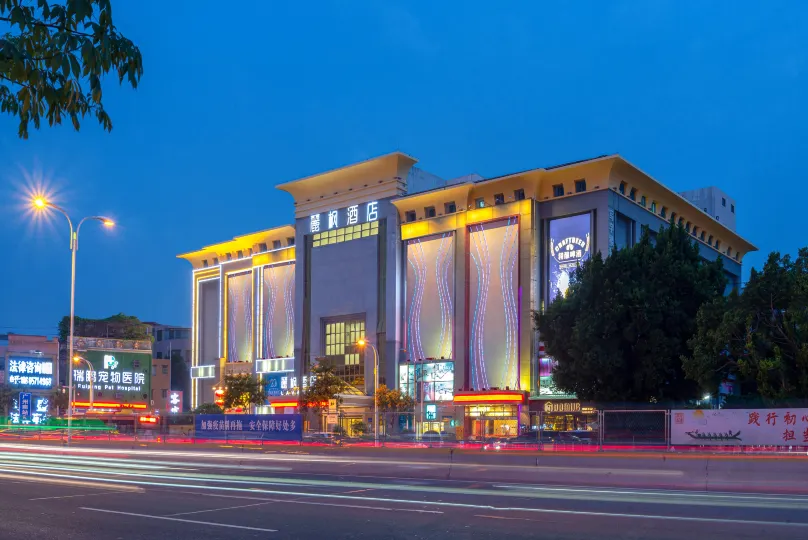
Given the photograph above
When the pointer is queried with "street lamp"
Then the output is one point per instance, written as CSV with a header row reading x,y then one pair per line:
x,y
41,203
91,375
362,342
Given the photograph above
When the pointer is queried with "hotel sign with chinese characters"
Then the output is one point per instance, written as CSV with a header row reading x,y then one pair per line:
x,y
344,217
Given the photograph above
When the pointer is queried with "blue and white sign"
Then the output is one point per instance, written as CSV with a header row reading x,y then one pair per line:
x,y
273,384
30,372
25,405
272,427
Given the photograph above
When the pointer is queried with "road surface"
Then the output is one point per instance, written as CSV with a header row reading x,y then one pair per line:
x,y
48,492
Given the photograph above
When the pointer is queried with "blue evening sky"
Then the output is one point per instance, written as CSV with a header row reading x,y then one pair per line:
x,y
239,97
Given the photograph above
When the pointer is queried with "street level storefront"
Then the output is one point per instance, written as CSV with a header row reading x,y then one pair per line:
x,y
491,413
439,277
558,416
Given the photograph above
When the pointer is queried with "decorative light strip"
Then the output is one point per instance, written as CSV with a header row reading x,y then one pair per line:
x,y
283,403
105,405
489,398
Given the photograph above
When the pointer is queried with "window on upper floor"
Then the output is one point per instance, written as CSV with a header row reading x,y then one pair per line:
x,y
695,230
429,212
663,212
710,240
499,198
723,202
519,194
633,194
159,355
673,217
732,208
276,244
159,336
729,251
558,190
622,188
682,221
653,207
642,201
479,202
580,185
409,216
703,234
290,241
450,207
687,226
718,245
262,246
737,255
239,254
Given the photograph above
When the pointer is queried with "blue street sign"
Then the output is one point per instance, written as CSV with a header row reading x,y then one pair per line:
x,y
25,404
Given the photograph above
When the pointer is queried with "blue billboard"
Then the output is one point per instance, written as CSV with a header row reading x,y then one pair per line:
x,y
270,427
569,246
272,384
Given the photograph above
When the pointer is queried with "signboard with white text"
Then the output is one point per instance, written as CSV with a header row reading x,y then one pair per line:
x,y
120,376
569,246
275,427
343,217
30,372
740,427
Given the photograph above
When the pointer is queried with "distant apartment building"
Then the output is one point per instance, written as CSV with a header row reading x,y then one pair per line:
x,y
170,341
715,203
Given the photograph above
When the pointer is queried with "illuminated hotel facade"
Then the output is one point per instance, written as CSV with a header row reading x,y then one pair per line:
x,y
441,276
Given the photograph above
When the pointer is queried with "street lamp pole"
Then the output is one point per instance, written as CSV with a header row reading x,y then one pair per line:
x,y
41,204
362,342
78,358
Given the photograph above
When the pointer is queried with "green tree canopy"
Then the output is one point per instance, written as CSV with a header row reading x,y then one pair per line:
x,y
760,336
326,386
54,56
620,331
208,408
393,400
242,391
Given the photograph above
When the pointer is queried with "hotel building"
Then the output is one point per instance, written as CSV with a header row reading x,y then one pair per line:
x,y
440,276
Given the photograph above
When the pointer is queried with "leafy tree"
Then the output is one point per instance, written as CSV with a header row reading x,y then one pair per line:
x,y
133,328
326,386
760,336
620,331
393,400
53,59
208,408
243,391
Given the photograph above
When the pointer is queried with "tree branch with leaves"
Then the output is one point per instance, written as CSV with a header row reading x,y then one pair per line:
x,y
54,57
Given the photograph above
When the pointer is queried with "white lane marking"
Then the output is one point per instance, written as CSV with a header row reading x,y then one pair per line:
x,y
81,495
218,509
357,491
166,518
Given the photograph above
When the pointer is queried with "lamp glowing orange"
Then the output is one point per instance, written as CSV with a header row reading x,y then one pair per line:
x,y
39,202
